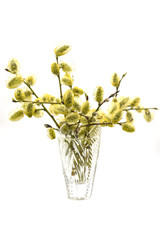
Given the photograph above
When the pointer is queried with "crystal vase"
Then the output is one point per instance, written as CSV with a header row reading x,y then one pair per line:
x,y
79,160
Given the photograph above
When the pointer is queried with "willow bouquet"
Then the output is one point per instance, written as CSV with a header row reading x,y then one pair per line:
x,y
76,123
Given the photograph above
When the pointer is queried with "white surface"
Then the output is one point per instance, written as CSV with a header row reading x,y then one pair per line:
x,y
106,37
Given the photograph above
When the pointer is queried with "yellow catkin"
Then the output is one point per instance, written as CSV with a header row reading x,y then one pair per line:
x,y
113,108
107,120
115,100
124,102
38,100
68,98
115,79
129,116
98,94
117,116
58,100
139,108
55,68
52,99
14,82
30,80
57,109
77,91
16,115
148,116
83,120
19,94
76,106
128,127
67,80
45,97
62,50
64,129
29,109
72,118
85,107
65,67
13,66
135,102
51,133
38,113
28,94
100,115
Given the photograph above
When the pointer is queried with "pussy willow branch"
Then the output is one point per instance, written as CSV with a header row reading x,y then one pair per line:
x,y
59,79
120,82
45,109
13,100
129,109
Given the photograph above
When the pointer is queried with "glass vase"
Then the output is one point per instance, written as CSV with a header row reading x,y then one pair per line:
x,y
79,160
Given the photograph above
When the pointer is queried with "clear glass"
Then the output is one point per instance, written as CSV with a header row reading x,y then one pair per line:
x,y
79,160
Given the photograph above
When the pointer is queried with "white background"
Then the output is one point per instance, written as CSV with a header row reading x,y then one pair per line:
x,y
106,37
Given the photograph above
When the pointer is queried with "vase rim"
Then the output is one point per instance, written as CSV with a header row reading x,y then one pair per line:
x,y
69,137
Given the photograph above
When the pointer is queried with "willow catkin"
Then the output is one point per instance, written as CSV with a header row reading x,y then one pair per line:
x,y
38,101
62,50
52,99
68,98
83,120
115,79
13,66
113,108
45,97
14,82
98,94
76,106
117,116
77,91
100,114
28,94
129,116
85,107
29,109
38,113
128,127
124,102
67,80
65,67
19,94
51,133
30,80
64,129
72,118
135,102
57,109
108,121
55,68
16,115
148,116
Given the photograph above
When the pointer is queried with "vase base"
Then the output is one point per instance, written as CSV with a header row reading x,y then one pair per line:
x,y
79,190
72,198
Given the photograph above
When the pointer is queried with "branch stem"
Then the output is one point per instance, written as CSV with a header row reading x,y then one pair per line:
x,y
13,100
60,85
129,109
